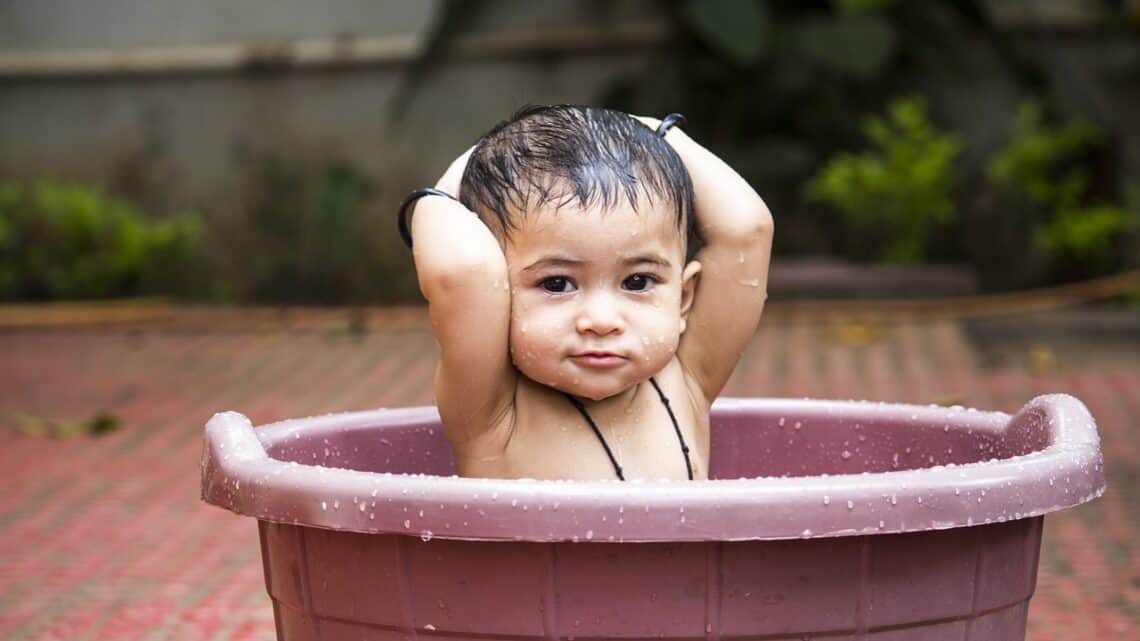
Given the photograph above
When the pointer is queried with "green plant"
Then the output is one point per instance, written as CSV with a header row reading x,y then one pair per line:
x,y
61,240
898,187
1043,164
313,231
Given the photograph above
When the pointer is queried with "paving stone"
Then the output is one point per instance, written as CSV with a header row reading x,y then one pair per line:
x,y
104,538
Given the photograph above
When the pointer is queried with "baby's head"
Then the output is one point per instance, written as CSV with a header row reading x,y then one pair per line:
x,y
595,158
593,211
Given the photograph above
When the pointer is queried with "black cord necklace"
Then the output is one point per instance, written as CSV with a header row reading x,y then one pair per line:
x,y
597,432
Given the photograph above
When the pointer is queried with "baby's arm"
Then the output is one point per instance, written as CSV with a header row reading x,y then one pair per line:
x,y
463,274
736,228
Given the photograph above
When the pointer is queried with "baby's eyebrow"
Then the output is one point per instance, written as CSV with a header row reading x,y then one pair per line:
x,y
655,259
552,261
566,261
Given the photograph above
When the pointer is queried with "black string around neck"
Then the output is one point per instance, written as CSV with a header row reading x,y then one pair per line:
x,y
606,446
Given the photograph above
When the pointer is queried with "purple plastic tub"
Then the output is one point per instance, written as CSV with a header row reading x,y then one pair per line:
x,y
830,520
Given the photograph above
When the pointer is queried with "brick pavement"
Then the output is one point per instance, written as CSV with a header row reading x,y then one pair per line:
x,y
105,538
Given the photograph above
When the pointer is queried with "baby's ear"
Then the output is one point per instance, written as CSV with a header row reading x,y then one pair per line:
x,y
689,278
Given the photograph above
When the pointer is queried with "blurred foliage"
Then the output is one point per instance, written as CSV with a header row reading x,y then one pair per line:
x,y
898,187
774,87
1043,165
63,240
785,110
98,425
783,90
307,233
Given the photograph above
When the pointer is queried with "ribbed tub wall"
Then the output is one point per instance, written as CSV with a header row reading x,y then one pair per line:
x,y
969,584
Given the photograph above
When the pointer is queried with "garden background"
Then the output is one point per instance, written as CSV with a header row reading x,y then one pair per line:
x,y
197,214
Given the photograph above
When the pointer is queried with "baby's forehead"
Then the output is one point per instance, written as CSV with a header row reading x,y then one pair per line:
x,y
596,218
600,232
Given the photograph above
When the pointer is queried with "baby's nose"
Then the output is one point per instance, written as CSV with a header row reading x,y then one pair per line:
x,y
600,315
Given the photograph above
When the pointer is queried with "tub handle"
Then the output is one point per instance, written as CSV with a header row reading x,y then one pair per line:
x,y
230,440
1053,420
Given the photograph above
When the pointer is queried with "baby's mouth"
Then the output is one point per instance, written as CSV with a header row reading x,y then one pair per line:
x,y
598,359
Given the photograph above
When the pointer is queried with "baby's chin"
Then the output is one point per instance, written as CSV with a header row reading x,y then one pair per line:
x,y
587,387
594,393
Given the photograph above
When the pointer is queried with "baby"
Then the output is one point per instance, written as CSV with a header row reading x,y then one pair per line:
x,y
577,339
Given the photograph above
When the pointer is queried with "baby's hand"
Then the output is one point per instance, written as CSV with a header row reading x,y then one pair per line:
x,y
652,123
451,179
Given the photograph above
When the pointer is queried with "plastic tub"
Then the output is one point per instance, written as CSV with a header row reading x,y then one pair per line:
x,y
836,520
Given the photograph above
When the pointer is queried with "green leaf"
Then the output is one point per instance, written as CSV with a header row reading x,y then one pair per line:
x,y
737,29
898,187
859,46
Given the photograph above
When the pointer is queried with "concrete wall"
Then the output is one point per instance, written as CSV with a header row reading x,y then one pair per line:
x,y
182,139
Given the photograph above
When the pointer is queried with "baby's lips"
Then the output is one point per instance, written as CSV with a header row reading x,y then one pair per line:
x,y
599,359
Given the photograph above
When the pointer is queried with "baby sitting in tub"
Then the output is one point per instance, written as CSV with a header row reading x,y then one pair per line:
x,y
577,340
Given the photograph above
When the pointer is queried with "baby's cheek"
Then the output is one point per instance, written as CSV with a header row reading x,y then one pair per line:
x,y
660,345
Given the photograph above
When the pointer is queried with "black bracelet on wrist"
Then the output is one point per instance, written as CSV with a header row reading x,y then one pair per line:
x,y
403,218
668,122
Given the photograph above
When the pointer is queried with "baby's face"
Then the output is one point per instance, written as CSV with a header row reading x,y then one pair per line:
x,y
596,296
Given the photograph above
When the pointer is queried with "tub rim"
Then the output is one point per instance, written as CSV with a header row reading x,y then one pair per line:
x,y
238,474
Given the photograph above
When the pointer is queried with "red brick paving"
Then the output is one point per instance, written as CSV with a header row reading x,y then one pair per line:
x,y
105,538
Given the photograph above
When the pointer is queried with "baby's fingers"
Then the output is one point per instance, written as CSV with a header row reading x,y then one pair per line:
x,y
652,123
451,178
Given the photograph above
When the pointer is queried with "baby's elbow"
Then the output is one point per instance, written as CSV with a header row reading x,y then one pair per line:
x,y
753,226
763,223
462,271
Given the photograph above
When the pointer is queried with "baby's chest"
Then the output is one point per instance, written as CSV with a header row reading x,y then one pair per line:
x,y
565,445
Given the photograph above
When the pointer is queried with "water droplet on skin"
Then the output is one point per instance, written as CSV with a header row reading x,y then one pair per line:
x,y
851,505
894,500
407,523
324,506
425,536
362,506
846,455
782,421
826,500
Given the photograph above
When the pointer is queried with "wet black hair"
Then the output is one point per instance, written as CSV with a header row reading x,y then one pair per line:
x,y
567,153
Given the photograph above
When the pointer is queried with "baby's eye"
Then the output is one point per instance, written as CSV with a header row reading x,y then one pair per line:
x,y
638,282
557,284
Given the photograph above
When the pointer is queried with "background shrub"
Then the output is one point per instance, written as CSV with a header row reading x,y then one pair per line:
x,y
61,240
896,190
1044,166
